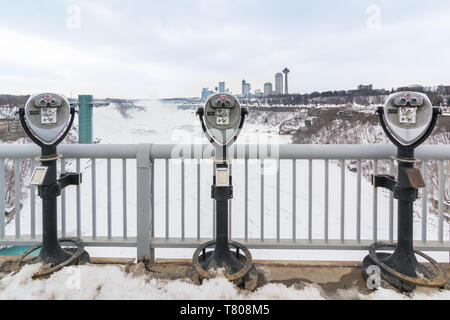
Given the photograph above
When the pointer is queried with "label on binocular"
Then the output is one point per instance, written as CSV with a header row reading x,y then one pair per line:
x,y
48,115
407,115
222,177
225,120
38,176
223,116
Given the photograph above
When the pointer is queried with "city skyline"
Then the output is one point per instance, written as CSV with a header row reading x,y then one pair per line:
x,y
268,90
281,87
153,49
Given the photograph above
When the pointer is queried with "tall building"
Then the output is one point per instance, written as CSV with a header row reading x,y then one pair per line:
x,y
246,87
363,87
267,88
413,87
279,83
286,88
206,93
221,87
441,89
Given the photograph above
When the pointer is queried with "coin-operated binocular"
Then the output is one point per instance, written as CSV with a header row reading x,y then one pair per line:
x,y
407,118
222,119
47,119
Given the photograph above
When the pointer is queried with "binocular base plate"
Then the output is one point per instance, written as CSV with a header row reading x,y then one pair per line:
x,y
389,270
238,268
67,257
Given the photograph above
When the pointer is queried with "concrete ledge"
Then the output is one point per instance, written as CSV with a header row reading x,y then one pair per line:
x,y
93,260
328,276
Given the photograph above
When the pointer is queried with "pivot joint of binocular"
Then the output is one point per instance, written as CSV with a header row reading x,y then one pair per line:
x,y
50,191
401,191
70,179
384,181
221,193
380,110
405,194
200,111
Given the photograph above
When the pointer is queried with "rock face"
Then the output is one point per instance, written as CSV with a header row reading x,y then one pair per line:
x,y
2,264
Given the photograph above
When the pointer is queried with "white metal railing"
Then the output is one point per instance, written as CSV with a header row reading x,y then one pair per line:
x,y
148,156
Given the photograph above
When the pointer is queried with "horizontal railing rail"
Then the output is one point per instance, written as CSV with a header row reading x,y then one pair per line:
x,y
155,196
72,151
296,151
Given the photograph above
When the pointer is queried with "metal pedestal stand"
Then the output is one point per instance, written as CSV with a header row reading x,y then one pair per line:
x,y
238,267
223,115
52,253
401,268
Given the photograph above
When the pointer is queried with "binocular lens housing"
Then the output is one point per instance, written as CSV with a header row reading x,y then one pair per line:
x,y
408,116
47,116
222,117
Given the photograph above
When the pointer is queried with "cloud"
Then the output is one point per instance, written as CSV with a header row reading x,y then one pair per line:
x,y
62,64
159,49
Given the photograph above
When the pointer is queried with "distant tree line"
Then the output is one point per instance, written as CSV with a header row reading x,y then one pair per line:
x,y
12,100
342,97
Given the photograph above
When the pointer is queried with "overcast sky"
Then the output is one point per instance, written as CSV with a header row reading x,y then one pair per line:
x,y
154,49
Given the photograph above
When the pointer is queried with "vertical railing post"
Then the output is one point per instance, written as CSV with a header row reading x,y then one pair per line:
x,y
124,199
278,200
358,202
2,198
32,205
441,202
326,194
152,205
17,193
294,200
63,202
310,205
182,200
78,166
143,207
167,198
424,202
94,197
342,200
199,200
391,205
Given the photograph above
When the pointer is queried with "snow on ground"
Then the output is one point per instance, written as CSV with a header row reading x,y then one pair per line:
x,y
113,282
164,123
